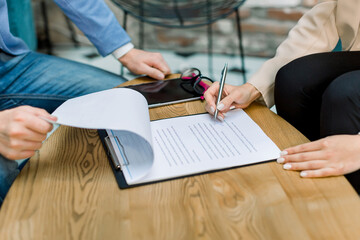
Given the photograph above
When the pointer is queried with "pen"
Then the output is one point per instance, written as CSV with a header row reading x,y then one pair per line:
x,y
222,82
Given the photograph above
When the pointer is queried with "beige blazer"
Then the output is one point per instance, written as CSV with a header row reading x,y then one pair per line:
x,y
317,31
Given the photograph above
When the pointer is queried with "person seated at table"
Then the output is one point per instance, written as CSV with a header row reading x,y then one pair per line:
x,y
44,82
314,89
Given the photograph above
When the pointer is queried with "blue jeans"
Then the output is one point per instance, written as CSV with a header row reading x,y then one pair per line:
x,y
46,82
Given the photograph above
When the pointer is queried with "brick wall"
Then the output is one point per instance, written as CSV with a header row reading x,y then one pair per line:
x,y
265,24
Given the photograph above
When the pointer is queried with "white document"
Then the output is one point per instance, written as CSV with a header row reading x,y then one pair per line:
x,y
168,148
124,111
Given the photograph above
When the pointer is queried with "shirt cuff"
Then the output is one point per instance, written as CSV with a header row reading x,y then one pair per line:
x,y
121,51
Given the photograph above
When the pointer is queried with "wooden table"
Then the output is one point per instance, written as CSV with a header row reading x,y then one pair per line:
x,y
68,191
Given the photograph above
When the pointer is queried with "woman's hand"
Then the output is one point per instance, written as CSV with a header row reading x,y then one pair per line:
x,y
233,97
22,131
330,156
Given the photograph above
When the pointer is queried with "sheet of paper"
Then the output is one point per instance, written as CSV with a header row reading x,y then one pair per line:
x,y
116,109
195,144
125,112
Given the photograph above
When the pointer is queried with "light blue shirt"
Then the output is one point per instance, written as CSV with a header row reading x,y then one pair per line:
x,y
92,17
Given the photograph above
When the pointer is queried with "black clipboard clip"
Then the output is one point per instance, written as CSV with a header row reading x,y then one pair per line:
x,y
118,165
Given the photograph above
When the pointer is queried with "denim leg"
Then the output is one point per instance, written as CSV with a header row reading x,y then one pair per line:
x,y
46,82
8,172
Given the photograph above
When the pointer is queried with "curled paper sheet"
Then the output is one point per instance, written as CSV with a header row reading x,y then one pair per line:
x,y
111,110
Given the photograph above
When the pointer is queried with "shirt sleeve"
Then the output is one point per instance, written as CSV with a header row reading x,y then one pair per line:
x,y
314,33
118,53
95,19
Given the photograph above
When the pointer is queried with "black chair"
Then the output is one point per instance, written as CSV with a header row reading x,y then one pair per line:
x,y
184,14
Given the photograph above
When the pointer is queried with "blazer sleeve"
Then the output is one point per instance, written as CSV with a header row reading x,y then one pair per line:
x,y
314,33
97,22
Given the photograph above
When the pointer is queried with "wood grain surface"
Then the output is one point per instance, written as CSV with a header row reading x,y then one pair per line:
x,y
68,191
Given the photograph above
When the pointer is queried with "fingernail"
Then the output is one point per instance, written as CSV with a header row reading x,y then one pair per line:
x,y
220,106
212,109
224,114
283,153
232,107
161,76
303,174
221,118
287,166
280,160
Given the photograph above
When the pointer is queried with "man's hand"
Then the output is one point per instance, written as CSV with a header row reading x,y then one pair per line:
x,y
234,97
330,156
148,63
22,131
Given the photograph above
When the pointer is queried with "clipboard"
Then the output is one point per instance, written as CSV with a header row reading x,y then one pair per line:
x,y
117,165
113,161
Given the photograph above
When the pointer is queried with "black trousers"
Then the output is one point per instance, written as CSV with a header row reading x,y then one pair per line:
x,y
319,94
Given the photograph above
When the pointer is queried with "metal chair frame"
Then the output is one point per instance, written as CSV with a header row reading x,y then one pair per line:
x,y
208,23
